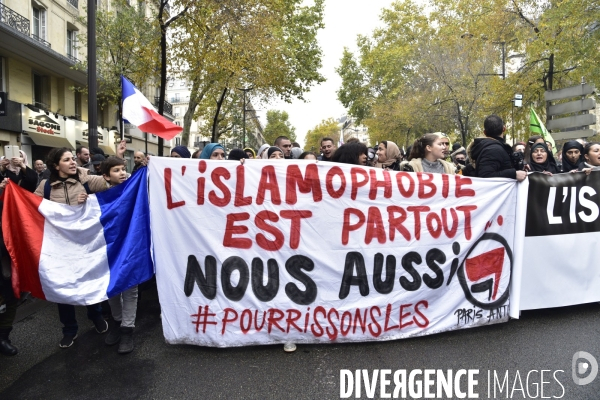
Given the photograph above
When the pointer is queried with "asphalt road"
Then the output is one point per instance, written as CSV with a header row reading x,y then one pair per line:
x,y
540,340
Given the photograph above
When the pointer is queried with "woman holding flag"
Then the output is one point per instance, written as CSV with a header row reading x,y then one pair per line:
x,y
69,184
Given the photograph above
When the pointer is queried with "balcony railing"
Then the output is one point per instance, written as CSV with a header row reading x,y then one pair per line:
x,y
74,3
14,20
42,41
168,107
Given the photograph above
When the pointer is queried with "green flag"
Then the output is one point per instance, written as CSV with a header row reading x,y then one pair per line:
x,y
537,126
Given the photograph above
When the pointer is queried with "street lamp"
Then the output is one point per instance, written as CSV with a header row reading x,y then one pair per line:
x,y
517,102
245,90
503,74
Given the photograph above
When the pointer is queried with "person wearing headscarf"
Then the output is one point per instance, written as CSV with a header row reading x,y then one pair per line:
x,y
213,151
572,156
237,154
542,159
388,156
296,152
250,152
262,152
275,153
18,171
180,152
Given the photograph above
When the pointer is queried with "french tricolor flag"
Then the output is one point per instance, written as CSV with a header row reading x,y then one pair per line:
x,y
82,254
139,111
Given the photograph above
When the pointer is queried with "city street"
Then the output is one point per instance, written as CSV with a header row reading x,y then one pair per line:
x,y
540,340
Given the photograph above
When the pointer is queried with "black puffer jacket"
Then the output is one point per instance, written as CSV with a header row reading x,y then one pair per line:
x,y
492,158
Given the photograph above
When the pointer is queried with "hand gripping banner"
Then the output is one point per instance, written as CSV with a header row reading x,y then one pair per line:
x,y
273,252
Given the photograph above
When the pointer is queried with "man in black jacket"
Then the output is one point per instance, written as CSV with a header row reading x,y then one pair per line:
x,y
491,153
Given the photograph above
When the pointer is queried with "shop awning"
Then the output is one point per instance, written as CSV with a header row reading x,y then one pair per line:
x,y
42,139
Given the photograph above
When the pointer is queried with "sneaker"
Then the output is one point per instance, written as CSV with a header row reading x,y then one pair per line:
x,y
101,325
289,347
67,341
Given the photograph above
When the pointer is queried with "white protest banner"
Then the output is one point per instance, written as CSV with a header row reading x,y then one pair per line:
x,y
562,230
279,251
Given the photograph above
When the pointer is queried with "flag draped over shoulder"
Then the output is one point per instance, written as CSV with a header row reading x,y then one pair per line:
x,y
82,254
139,111
537,126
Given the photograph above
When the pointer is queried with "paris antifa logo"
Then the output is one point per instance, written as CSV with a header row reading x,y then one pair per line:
x,y
484,274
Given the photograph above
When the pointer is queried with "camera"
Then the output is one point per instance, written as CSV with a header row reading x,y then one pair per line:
x,y
517,160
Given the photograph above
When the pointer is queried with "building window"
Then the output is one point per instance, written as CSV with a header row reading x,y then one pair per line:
x,y
72,44
177,141
41,92
182,83
39,23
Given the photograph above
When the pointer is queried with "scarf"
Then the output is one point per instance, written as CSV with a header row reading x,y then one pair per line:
x,y
208,150
14,169
548,165
567,164
251,150
182,151
272,150
262,151
392,155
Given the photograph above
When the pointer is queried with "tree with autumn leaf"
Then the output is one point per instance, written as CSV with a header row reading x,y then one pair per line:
x,y
267,46
326,128
127,44
278,124
441,69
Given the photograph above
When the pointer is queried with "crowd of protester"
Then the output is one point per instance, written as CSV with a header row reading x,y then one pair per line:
x,y
69,178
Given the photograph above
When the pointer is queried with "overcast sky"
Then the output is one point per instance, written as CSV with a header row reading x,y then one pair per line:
x,y
344,20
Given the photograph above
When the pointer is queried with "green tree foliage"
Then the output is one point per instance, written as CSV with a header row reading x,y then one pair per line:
x,y
269,46
437,67
127,44
278,125
326,128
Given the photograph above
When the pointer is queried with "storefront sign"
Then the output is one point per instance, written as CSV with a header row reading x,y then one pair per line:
x,y
46,129
40,122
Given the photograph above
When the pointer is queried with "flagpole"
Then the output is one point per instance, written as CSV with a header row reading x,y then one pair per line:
x,y
91,64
